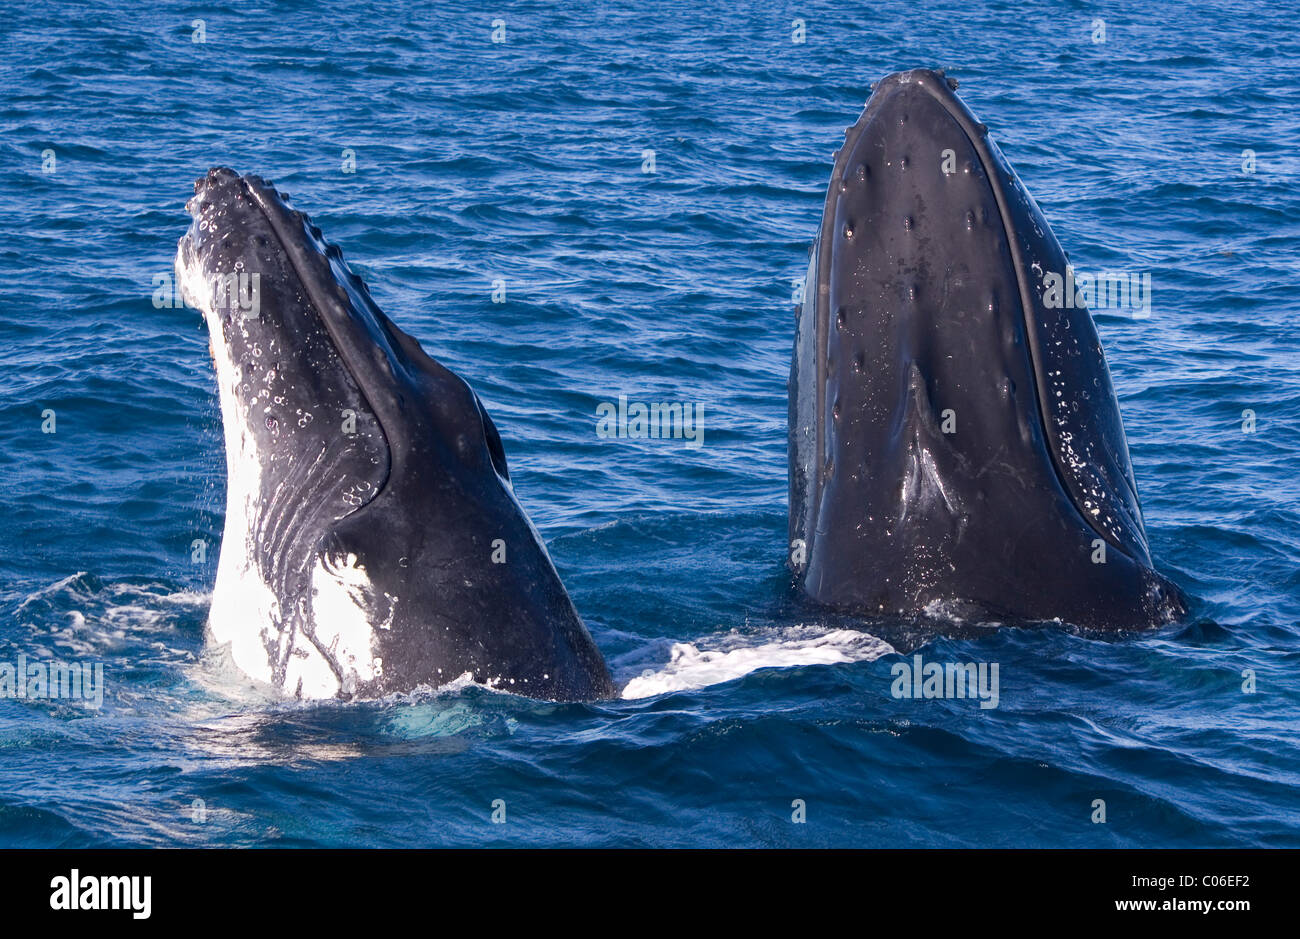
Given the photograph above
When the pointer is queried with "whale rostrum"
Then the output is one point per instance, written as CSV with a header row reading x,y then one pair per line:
x,y
954,435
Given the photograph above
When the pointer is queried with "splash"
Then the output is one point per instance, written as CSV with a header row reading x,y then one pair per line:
x,y
690,666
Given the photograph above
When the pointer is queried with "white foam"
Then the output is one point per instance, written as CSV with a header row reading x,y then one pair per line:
x,y
79,618
691,667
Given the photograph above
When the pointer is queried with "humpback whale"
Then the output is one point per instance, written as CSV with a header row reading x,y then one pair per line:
x,y
954,439
372,540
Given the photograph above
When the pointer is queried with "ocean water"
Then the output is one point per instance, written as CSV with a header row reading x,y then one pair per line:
x,y
524,161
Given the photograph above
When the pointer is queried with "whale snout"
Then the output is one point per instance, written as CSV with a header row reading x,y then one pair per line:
x,y
954,436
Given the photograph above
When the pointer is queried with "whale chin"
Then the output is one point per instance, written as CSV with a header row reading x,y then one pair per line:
x,y
954,434
373,544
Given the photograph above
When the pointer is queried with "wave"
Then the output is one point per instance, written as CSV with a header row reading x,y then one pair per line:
x,y
690,667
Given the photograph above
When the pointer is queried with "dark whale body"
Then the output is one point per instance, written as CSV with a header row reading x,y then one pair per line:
x,y
373,543
955,441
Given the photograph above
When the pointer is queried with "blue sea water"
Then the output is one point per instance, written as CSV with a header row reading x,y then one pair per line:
x,y
522,161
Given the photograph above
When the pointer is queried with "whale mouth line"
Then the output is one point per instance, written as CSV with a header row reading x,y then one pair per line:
x,y
313,294
319,304
977,135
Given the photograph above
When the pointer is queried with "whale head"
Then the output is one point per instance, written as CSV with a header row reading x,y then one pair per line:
x,y
954,433
372,541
